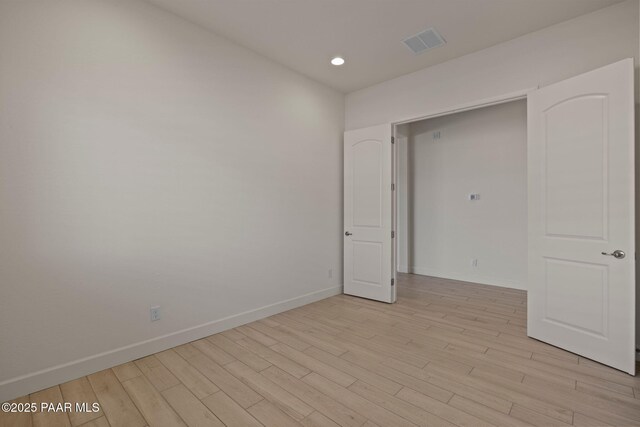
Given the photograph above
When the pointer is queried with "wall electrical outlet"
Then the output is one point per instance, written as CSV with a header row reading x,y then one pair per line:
x,y
474,196
474,262
436,135
155,313
330,273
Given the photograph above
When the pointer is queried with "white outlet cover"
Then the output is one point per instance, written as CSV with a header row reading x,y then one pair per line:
x,y
155,313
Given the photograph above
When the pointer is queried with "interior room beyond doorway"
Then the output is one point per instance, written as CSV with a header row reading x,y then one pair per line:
x,y
462,196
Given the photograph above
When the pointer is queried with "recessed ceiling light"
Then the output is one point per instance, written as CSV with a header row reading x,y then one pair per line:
x,y
337,61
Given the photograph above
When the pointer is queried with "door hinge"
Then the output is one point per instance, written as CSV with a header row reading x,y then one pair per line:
x,y
393,187
393,282
393,139
393,234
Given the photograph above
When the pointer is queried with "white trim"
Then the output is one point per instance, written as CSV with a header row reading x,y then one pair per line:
x,y
483,280
487,102
25,384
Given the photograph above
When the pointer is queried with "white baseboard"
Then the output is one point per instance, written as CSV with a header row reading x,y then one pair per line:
x,y
485,280
29,383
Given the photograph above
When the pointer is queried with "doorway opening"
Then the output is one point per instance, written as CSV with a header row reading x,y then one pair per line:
x,y
462,196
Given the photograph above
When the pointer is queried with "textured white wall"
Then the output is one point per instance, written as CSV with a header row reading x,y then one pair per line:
x,y
546,56
481,151
145,161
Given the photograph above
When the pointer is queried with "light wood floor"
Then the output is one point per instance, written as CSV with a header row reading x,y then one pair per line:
x,y
446,354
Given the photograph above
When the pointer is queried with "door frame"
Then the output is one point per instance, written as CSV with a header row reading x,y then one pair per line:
x,y
469,106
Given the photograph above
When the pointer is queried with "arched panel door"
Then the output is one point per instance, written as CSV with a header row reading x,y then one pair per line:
x,y
368,252
581,215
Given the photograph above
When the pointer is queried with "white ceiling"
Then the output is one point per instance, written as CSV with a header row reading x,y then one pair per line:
x,y
305,34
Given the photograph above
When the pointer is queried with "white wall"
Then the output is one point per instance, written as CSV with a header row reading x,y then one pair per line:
x,y
402,133
481,151
539,58
145,161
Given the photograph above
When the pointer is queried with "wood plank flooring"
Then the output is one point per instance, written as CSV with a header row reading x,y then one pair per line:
x,y
447,353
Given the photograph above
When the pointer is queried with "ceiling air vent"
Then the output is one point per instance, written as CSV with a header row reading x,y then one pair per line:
x,y
424,41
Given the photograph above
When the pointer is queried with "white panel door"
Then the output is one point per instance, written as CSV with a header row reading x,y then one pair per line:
x,y
368,213
581,211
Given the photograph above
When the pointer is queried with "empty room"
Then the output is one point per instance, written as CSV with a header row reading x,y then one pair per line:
x,y
319,213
